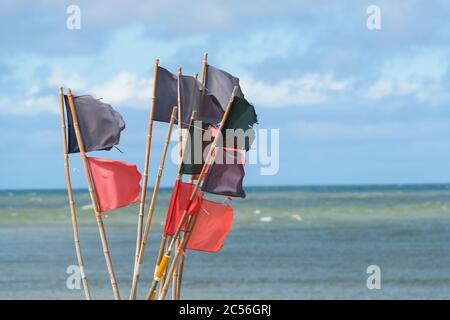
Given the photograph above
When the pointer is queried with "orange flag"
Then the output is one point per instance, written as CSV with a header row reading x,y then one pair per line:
x,y
116,183
213,223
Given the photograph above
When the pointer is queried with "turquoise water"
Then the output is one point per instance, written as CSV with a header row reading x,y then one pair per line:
x,y
286,242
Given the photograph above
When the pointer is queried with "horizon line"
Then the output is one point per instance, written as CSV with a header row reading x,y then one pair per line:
x,y
267,186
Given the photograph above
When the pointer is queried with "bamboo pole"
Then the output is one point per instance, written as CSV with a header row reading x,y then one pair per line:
x,y
204,66
164,238
94,200
179,120
180,159
148,146
180,269
151,210
73,213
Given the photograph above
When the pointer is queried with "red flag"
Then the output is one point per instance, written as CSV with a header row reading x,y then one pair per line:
x,y
178,203
213,223
116,183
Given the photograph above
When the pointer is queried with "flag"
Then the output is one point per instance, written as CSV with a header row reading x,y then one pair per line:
x,y
199,139
213,223
239,125
210,110
116,183
178,203
166,95
220,83
100,125
195,97
226,174
192,97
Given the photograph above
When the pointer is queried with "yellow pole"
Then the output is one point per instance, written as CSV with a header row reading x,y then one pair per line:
x,y
93,196
73,212
148,146
151,210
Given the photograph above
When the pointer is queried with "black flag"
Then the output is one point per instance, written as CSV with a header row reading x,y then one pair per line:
x,y
100,125
220,83
199,139
192,97
240,123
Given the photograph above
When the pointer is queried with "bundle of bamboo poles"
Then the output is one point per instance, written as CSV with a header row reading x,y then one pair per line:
x,y
192,219
162,276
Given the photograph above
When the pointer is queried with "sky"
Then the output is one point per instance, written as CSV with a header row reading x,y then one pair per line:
x,y
353,105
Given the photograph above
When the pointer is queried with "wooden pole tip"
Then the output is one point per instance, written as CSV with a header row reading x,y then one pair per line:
x,y
179,71
69,92
61,90
205,56
156,61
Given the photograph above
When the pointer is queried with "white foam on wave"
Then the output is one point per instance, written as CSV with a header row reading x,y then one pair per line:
x,y
265,219
87,207
257,211
296,217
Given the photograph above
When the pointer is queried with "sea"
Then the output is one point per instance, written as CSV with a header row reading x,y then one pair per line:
x,y
296,242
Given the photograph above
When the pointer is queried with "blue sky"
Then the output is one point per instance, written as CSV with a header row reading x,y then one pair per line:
x,y
352,105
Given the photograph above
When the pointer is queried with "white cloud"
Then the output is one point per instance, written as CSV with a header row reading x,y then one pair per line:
x,y
306,90
379,89
332,131
29,105
419,72
383,88
65,78
405,87
125,88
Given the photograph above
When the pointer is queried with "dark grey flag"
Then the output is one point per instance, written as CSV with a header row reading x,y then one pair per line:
x,y
226,174
166,95
100,125
192,97
195,97
220,83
